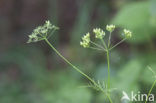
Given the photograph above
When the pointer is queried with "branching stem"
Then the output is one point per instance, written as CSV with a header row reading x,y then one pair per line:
x,y
78,70
68,61
98,45
108,64
109,39
105,46
117,43
95,48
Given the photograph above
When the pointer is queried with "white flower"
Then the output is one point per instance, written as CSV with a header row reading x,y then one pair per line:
x,y
110,28
41,32
85,40
99,33
128,33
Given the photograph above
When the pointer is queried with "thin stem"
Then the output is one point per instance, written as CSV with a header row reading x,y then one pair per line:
x,y
98,45
95,48
108,64
109,40
109,98
154,73
68,61
150,90
104,92
117,43
78,70
52,32
104,44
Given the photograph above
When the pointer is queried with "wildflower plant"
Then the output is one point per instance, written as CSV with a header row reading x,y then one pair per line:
x,y
45,31
105,46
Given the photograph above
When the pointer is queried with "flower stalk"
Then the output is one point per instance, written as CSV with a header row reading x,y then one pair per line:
x,y
100,34
77,69
108,64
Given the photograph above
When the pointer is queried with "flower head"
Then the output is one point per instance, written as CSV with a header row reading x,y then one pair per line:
x,y
128,33
48,25
99,33
41,32
85,40
110,28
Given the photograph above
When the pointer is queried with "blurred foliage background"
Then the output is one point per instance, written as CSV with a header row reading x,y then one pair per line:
x,y
33,73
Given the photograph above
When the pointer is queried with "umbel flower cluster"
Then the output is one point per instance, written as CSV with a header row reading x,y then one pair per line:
x,y
127,33
99,34
105,46
42,32
110,28
85,40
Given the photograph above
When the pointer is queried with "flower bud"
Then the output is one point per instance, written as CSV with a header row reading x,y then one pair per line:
x,y
128,34
85,41
41,32
110,28
99,33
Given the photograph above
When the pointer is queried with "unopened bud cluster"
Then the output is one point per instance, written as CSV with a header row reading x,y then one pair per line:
x,y
99,33
85,40
110,28
41,32
128,34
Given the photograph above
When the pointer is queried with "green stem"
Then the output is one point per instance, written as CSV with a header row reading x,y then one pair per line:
x,y
109,98
97,45
104,43
108,64
52,32
68,61
78,70
150,90
95,48
109,40
117,43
